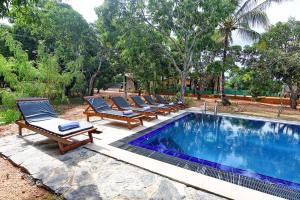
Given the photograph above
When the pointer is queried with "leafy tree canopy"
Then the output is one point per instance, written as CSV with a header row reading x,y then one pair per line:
x,y
278,53
6,5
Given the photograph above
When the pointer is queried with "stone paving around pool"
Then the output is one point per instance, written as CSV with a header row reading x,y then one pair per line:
x,y
86,174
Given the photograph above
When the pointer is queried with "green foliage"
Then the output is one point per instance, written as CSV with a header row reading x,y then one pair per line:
x,y
247,14
9,116
6,4
278,58
256,81
52,51
18,73
66,36
24,78
158,40
281,55
51,81
189,102
9,99
46,53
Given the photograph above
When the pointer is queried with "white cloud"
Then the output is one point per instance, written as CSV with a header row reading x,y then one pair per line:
x,y
85,8
276,13
5,21
282,12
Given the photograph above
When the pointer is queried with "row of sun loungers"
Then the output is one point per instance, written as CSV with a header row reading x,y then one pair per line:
x,y
39,116
97,107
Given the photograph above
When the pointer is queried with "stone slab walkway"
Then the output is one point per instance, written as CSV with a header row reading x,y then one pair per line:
x,y
84,174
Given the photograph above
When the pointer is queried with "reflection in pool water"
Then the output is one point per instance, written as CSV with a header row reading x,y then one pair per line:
x,y
267,148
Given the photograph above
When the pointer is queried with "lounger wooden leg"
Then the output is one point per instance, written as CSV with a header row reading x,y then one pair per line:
x,y
88,118
129,125
141,121
61,147
20,130
64,148
91,137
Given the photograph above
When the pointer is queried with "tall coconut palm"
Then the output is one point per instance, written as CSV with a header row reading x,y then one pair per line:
x,y
249,13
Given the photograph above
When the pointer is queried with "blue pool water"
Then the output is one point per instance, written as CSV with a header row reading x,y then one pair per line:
x,y
250,147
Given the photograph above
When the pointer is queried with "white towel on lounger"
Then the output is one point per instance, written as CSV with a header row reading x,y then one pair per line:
x,y
146,108
127,112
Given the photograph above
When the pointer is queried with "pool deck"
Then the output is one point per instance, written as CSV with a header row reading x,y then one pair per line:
x,y
101,171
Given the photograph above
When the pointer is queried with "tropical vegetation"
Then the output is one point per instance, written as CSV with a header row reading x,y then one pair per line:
x,y
50,50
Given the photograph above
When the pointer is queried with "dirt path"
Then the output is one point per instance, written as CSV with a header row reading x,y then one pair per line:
x,y
253,109
16,185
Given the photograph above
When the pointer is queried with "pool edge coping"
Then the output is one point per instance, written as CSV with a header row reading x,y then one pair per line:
x,y
162,124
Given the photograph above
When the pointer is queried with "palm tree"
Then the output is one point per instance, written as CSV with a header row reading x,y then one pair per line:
x,y
249,13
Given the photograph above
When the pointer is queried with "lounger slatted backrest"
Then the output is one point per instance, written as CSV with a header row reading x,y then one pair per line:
x,y
121,102
98,104
149,99
160,99
138,101
37,110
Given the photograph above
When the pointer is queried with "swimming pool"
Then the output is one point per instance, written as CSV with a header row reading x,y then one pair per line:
x,y
262,155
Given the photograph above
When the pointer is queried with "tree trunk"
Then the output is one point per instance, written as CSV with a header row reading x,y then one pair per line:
x,y
93,79
222,83
222,78
154,86
225,101
148,87
198,88
293,100
182,88
92,83
125,86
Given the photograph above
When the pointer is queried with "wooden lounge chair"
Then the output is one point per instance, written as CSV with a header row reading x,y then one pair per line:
x,y
122,104
151,101
161,100
161,109
99,108
39,116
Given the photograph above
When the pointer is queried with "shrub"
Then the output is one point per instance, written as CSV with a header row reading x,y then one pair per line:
x,y
189,102
43,77
9,99
9,116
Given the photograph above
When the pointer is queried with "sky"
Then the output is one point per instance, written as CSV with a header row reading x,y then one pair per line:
x,y
277,12
86,8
